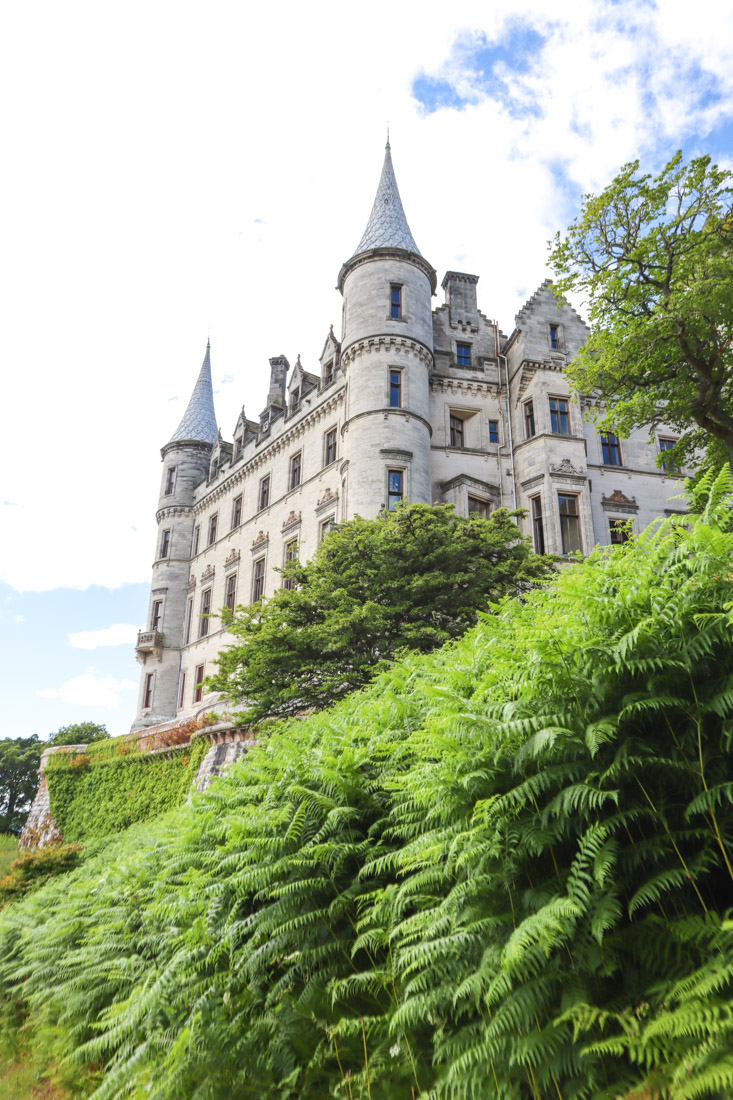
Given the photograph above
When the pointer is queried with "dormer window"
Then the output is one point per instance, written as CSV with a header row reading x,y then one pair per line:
x,y
395,302
295,400
238,447
328,373
555,337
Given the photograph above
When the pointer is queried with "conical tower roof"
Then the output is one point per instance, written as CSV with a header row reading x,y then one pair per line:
x,y
199,419
387,226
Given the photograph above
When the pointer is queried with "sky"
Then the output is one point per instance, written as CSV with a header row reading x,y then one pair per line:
x,y
174,171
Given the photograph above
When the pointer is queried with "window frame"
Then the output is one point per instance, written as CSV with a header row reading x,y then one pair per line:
x,y
148,692
165,543
212,530
396,302
395,387
538,524
290,554
456,430
189,621
258,579
204,612
463,354
196,540
668,467
182,692
170,481
230,591
330,446
263,493
484,509
295,470
156,614
325,527
610,443
198,683
237,509
530,425
575,497
557,416
555,336
394,496
494,431
328,373
617,525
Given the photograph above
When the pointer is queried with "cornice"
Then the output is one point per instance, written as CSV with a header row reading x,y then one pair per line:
x,y
443,383
384,412
387,253
173,510
386,342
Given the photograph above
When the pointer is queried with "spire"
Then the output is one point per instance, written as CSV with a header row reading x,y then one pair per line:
x,y
387,227
199,419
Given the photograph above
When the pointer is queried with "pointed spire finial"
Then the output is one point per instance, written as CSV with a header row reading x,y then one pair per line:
x,y
388,146
387,226
199,420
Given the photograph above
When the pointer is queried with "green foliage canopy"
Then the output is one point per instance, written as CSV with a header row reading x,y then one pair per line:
x,y
81,733
19,760
653,256
411,579
501,872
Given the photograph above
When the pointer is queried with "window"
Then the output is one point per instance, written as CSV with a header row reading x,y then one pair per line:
x,y
230,592
264,497
479,507
157,615
294,479
196,540
456,431
559,419
493,431
238,448
237,512
170,480
189,618
328,373
198,683
463,355
213,523
165,546
667,463
619,531
325,527
205,612
555,337
182,696
395,488
258,580
395,389
538,530
330,442
295,400
291,554
148,701
395,302
569,523
529,429
610,449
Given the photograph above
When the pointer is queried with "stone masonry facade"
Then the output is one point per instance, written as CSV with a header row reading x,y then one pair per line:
x,y
411,403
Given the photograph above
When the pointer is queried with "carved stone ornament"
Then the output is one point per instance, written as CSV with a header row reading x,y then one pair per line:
x,y
566,467
207,572
618,501
328,494
262,537
292,518
233,556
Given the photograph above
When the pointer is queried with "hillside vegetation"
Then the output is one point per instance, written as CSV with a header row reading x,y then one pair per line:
x,y
503,870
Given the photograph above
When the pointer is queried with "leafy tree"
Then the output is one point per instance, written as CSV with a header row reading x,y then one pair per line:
x,y
19,760
81,733
653,255
410,579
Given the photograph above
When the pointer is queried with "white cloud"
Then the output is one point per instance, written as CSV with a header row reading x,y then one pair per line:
x,y
119,634
90,690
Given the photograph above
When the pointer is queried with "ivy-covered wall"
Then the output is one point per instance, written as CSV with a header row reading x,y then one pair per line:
x,y
100,792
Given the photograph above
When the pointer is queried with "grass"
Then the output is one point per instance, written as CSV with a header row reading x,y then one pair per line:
x,y
8,852
24,1079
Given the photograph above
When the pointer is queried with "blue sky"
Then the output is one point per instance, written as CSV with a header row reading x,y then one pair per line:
x,y
178,171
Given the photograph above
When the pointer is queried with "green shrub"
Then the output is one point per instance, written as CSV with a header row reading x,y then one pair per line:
x,y
8,852
502,871
34,867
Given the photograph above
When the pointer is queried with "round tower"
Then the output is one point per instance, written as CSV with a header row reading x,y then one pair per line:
x,y
186,459
386,357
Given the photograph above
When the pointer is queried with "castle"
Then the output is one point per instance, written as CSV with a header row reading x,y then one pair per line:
x,y
411,403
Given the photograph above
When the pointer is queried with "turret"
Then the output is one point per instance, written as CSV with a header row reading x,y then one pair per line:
x,y
185,464
386,356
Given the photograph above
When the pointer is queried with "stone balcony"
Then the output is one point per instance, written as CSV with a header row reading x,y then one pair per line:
x,y
149,642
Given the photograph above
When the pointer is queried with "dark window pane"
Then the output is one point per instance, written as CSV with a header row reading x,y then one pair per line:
x,y
529,430
456,431
538,529
394,488
559,419
569,523
611,449
463,355
493,431
395,389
